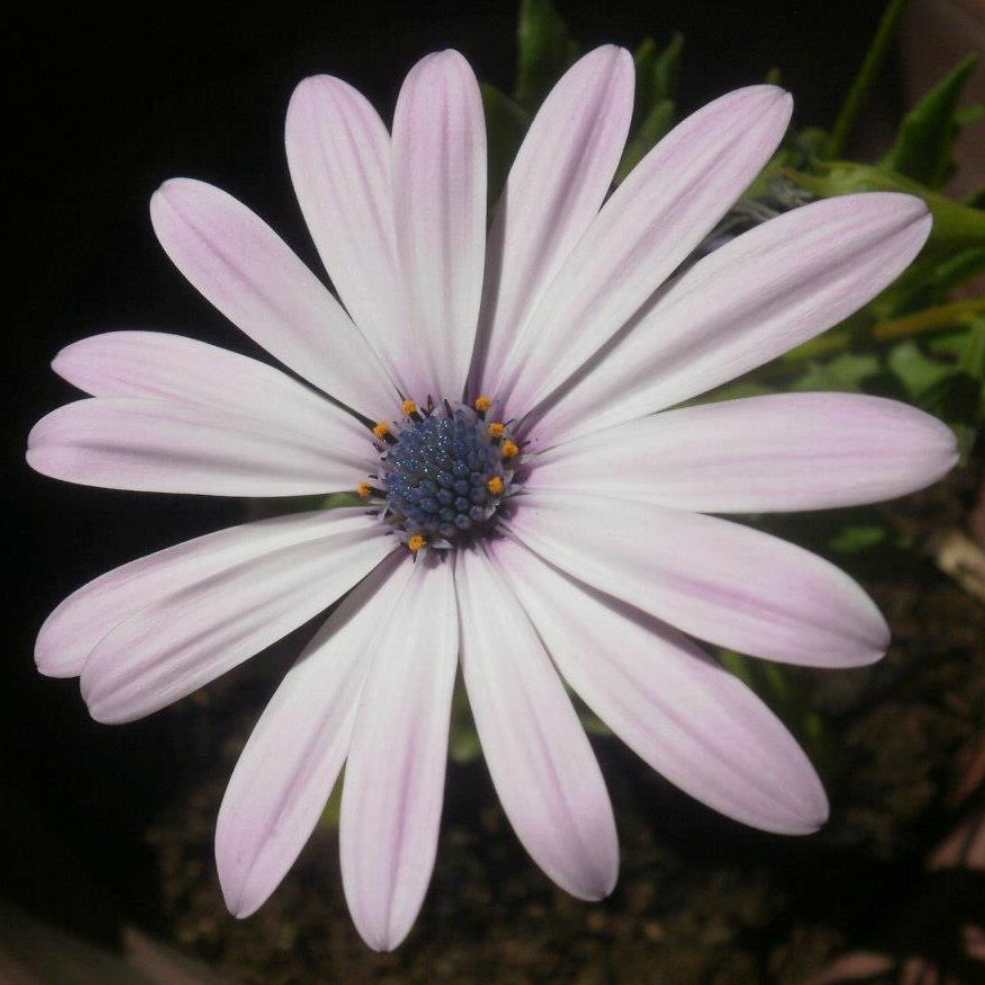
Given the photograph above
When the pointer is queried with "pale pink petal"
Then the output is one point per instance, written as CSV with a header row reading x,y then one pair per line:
x,y
72,631
557,183
693,722
287,770
160,446
795,451
720,581
176,645
338,150
657,216
748,302
439,189
538,755
160,366
395,775
236,261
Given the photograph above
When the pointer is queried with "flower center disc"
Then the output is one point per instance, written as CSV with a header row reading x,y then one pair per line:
x,y
444,474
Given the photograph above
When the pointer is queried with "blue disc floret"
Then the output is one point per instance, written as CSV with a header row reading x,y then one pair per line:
x,y
443,473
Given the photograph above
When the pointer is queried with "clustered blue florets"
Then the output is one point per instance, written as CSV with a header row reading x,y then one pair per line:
x,y
436,476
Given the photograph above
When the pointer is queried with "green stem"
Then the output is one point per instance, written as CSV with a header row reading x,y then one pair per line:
x,y
943,316
876,55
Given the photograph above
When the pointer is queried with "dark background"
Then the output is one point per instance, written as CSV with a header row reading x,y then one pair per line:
x,y
107,102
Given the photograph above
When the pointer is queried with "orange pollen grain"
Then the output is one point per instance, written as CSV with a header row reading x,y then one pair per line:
x,y
408,407
510,449
495,485
482,404
416,542
381,430
496,430
364,490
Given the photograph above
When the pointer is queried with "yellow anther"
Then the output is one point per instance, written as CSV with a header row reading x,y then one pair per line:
x,y
482,404
365,490
510,449
382,431
496,429
495,485
408,407
416,542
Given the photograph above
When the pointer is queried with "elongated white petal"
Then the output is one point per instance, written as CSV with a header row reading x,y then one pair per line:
x,y
170,648
395,776
748,302
338,150
719,581
74,628
287,770
689,719
160,446
439,188
657,216
160,366
538,755
795,451
236,261
557,183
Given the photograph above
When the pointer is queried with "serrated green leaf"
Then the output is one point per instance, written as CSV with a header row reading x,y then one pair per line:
x,y
924,144
881,45
956,226
845,372
545,50
854,539
506,124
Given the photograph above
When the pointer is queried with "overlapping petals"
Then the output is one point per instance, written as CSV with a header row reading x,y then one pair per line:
x,y
395,775
720,581
170,646
656,217
544,770
293,758
561,174
700,727
236,261
338,150
751,300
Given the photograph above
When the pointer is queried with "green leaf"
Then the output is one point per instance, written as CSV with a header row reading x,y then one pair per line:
x,y
544,51
956,226
924,144
858,92
918,373
335,501
972,355
844,372
927,283
855,539
506,123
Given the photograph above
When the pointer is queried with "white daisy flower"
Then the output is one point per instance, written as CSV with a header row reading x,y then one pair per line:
x,y
533,511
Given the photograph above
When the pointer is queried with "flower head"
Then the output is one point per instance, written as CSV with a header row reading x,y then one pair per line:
x,y
530,507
